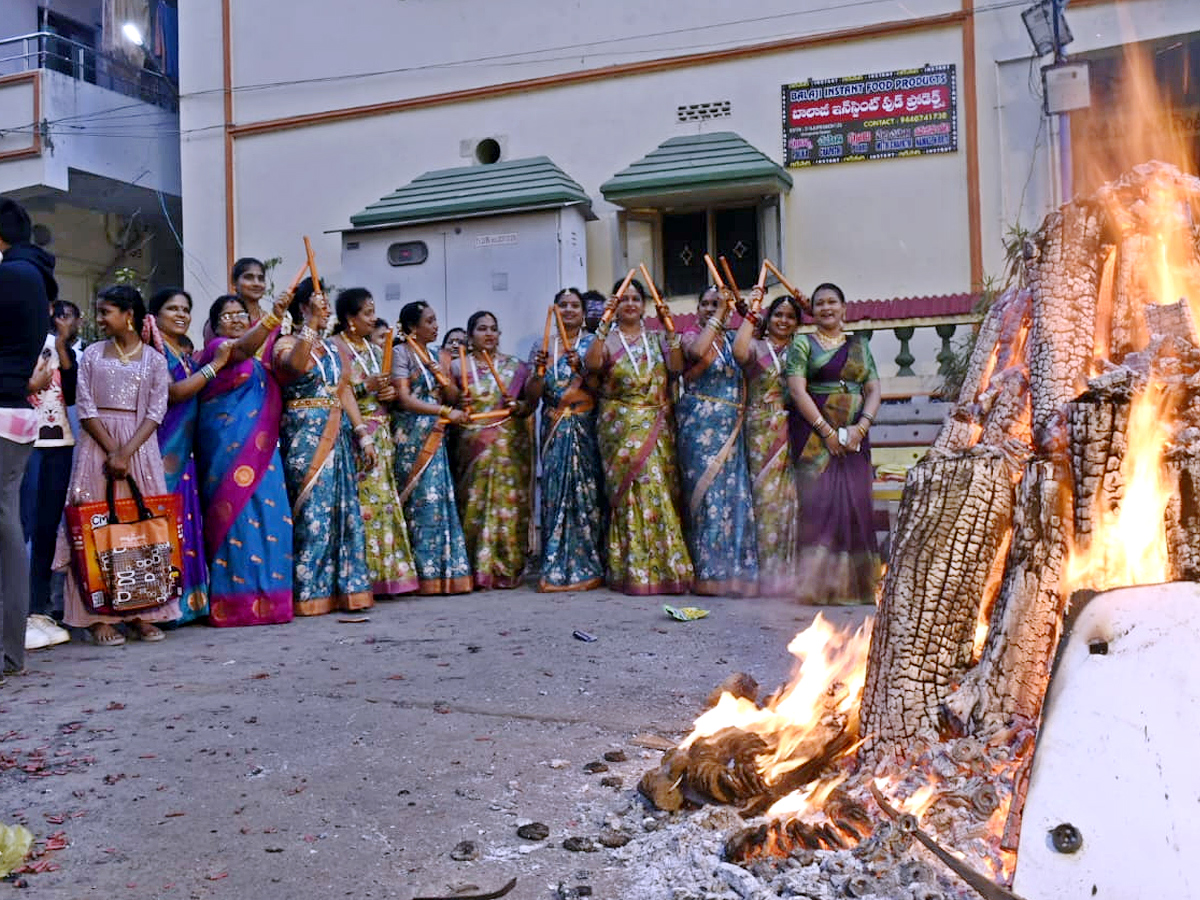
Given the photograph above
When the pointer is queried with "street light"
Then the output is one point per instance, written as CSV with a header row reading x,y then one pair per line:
x,y
133,34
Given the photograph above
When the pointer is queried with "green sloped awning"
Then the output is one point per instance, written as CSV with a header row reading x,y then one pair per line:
x,y
700,167
518,185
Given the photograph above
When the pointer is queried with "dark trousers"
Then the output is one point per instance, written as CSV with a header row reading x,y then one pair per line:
x,y
14,564
43,495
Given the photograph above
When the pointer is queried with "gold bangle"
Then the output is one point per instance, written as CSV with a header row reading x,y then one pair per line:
x,y
270,320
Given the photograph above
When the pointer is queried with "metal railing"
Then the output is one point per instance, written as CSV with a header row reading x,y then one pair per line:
x,y
46,50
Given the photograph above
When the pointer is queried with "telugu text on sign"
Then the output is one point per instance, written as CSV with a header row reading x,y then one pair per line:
x,y
881,116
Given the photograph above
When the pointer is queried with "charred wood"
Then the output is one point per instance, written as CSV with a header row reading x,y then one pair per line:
x,y
1009,683
1097,421
1183,515
954,516
1064,278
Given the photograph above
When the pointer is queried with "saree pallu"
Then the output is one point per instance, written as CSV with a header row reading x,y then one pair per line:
x,y
837,555
176,441
389,556
247,521
572,482
646,552
772,477
718,502
316,441
427,494
495,459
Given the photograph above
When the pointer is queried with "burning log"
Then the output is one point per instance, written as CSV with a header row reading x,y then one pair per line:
x,y
999,345
1064,272
1010,680
1183,515
954,515
722,768
1078,423
1097,421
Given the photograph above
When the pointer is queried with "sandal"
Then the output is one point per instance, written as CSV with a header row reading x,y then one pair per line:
x,y
144,631
104,635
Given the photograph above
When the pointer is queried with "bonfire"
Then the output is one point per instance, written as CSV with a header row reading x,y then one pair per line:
x,y
1070,465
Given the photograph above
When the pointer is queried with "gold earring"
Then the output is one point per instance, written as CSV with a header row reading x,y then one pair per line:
x,y
129,322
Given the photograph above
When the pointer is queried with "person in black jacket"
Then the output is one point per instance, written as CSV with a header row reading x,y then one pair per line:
x,y
27,288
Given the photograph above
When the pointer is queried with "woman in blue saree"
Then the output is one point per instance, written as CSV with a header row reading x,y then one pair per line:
x,y
709,419
247,522
315,440
419,421
572,479
166,328
835,388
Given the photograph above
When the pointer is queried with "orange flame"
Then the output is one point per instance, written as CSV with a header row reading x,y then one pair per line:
x,y
831,670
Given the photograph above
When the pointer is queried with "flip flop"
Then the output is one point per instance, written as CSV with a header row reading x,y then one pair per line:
x,y
113,638
144,631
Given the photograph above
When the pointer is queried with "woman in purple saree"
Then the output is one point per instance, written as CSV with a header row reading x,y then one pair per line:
x,y
835,388
247,516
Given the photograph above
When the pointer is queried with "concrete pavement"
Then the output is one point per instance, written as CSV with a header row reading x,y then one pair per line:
x,y
327,758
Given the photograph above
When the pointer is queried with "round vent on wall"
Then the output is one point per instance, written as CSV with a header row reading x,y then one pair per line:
x,y
487,151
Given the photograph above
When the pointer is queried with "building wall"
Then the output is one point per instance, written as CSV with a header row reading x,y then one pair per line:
x,y
882,229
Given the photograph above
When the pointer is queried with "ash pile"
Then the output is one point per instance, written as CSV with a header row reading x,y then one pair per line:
x,y
1070,463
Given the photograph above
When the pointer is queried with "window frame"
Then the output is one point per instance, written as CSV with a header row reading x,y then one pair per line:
x,y
769,214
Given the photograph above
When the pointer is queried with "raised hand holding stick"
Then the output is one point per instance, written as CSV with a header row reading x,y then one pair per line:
x,y
800,298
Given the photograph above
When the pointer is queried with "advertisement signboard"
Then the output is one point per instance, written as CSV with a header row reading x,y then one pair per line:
x,y
910,112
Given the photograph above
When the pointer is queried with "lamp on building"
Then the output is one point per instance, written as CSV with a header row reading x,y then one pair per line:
x,y
133,34
1047,27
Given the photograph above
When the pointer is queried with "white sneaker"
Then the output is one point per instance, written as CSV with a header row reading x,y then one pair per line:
x,y
55,634
35,635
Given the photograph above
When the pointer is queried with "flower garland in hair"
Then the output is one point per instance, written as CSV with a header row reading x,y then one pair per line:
x,y
151,335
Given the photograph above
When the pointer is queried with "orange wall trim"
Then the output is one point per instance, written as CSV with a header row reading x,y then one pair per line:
x,y
34,77
971,139
564,79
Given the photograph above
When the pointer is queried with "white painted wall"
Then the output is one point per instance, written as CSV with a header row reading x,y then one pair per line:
x,y
881,229
120,138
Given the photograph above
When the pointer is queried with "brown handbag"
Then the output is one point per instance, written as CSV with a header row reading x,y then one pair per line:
x,y
137,559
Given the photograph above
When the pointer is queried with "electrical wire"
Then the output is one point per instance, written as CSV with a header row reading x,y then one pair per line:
x,y
515,59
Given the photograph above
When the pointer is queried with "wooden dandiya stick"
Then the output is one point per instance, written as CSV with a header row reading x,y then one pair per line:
x,y
761,287
489,414
712,270
423,355
729,281
462,375
787,286
541,367
562,328
610,311
312,265
388,349
663,312
299,278
487,358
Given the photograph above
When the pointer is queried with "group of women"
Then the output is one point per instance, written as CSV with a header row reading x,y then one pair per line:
x,y
721,462
316,475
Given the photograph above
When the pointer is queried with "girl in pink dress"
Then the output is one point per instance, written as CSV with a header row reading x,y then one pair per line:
x,y
121,399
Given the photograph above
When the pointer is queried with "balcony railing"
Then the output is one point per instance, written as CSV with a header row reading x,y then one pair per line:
x,y
45,50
